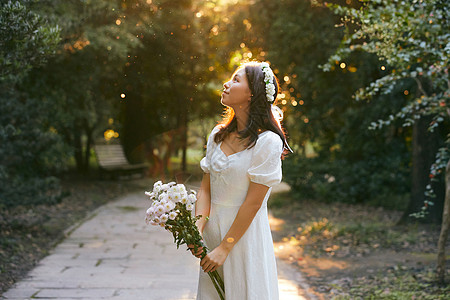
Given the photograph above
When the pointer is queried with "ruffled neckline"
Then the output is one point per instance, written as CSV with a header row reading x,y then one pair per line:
x,y
235,153
221,162
228,156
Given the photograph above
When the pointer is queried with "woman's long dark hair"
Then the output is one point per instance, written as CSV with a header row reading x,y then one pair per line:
x,y
260,117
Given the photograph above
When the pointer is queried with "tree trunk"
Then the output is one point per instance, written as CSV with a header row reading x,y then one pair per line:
x,y
184,143
424,148
132,134
78,151
444,229
87,152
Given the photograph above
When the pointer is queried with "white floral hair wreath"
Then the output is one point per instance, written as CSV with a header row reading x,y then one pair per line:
x,y
268,79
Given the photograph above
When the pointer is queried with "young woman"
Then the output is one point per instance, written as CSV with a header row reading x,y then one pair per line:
x,y
242,164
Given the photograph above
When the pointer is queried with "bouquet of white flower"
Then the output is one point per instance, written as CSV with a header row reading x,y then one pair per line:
x,y
172,209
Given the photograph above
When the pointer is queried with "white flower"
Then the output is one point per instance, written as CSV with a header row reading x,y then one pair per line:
x,y
164,218
150,211
157,189
165,187
176,197
171,183
192,198
181,187
150,194
160,209
268,80
165,198
172,215
156,220
169,206
158,183
277,113
153,222
193,192
190,206
184,200
270,88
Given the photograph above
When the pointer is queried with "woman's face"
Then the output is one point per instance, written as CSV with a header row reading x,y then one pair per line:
x,y
236,92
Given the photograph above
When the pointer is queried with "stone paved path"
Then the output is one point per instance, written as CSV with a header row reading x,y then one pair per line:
x,y
115,255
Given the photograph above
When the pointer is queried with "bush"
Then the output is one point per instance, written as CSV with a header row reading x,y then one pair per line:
x,y
29,154
30,150
380,181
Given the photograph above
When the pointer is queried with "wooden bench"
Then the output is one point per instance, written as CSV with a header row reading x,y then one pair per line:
x,y
111,160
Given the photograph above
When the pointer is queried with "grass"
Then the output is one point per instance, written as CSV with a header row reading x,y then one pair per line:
x,y
128,208
398,284
357,251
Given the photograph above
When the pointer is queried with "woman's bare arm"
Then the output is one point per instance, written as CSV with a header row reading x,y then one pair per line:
x,y
246,214
202,207
203,204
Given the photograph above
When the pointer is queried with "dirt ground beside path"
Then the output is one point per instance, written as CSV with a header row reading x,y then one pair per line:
x,y
356,252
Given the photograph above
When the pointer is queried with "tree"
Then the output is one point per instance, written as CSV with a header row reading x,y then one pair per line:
x,y
412,38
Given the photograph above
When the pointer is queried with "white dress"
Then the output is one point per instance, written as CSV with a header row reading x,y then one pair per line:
x,y
250,271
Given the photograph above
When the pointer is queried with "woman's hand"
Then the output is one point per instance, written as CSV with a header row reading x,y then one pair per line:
x,y
214,259
199,251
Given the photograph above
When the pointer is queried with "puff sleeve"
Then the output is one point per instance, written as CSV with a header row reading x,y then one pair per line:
x,y
265,167
205,163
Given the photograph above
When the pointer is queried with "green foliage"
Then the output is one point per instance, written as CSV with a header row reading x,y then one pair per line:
x,y
373,180
26,40
412,38
29,150
30,153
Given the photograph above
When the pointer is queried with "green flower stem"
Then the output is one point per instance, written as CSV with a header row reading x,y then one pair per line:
x,y
219,280
215,277
218,289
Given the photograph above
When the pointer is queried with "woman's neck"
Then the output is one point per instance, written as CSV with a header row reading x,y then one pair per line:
x,y
241,116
